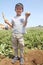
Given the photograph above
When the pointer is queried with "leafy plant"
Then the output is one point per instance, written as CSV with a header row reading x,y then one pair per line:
x,y
33,40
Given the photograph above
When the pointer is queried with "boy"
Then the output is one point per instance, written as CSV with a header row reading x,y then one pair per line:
x,y
18,29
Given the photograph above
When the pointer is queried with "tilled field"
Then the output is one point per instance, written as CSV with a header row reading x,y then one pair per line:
x,y
33,57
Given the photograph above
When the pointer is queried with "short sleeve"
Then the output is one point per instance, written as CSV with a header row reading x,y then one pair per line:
x,y
22,19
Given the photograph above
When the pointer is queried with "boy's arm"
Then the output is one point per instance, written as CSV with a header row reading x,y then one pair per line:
x,y
26,17
5,20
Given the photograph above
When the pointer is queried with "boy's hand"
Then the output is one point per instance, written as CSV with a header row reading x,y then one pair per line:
x,y
6,20
27,14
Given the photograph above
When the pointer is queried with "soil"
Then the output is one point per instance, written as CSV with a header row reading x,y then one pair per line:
x,y
33,57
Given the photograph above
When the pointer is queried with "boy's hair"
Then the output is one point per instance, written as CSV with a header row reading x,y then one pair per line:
x,y
19,4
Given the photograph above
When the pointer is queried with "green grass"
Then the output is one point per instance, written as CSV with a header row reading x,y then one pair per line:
x,y
33,40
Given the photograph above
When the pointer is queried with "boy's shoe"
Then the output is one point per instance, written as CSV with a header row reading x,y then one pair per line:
x,y
21,61
14,59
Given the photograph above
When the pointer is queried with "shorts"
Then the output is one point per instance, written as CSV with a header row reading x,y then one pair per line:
x,y
17,41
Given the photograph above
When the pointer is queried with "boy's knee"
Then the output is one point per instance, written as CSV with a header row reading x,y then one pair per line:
x,y
21,45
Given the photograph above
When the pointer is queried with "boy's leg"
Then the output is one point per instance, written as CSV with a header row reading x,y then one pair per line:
x,y
21,46
15,47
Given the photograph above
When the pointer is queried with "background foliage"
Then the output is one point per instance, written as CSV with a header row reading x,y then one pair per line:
x,y
33,40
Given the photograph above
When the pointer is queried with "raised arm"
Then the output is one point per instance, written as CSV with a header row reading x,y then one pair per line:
x,y
26,17
6,20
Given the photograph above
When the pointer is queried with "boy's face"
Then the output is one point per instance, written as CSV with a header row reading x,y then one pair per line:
x,y
19,10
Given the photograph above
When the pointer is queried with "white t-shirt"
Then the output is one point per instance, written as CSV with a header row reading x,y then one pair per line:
x,y
17,23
